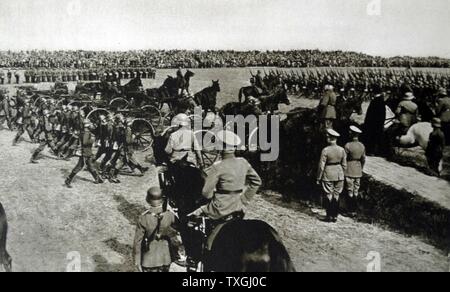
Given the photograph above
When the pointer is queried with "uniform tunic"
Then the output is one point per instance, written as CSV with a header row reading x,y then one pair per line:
x,y
180,143
408,112
157,254
356,158
332,165
225,186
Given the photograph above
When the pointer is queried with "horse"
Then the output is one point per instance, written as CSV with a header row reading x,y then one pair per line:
x,y
240,246
5,258
247,92
207,98
271,102
133,85
418,135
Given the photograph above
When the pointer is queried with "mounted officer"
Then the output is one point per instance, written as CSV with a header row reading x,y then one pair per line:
x,y
183,142
327,107
407,112
230,186
259,84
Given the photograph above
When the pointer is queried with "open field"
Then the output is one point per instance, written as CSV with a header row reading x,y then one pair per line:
x,y
48,221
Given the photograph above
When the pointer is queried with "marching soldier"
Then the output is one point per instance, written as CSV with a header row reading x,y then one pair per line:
x,y
24,122
155,234
2,77
356,159
183,142
332,166
104,136
125,137
109,143
87,142
46,137
435,149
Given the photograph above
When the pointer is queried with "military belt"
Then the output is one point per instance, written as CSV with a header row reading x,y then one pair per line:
x,y
333,164
221,192
182,150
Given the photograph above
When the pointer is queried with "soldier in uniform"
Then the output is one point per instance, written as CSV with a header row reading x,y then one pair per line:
x,y
356,159
443,112
183,142
327,107
87,142
332,167
154,236
407,112
2,77
24,122
230,185
17,77
259,83
9,76
27,76
435,149
46,137
104,136
127,154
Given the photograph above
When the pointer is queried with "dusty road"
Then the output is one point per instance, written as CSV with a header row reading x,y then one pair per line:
x,y
48,223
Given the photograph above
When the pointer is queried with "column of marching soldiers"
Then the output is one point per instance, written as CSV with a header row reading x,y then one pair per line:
x,y
63,128
42,76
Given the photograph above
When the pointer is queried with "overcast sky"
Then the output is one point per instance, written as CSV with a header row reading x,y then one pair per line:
x,y
404,27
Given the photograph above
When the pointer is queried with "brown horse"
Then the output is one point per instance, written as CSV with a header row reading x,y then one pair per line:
x,y
5,258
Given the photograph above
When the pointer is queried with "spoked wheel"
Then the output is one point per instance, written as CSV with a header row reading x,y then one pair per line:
x,y
143,133
154,115
119,104
94,115
207,140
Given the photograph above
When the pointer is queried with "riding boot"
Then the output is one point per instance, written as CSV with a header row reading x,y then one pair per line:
x,y
335,209
327,204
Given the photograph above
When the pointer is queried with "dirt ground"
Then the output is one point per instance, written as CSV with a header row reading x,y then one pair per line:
x,y
49,222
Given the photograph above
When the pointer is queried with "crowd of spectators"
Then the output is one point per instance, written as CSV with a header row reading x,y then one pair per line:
x,y
206,59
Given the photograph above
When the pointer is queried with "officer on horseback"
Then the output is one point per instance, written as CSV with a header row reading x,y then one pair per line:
x,y
183,142
259,84
225,186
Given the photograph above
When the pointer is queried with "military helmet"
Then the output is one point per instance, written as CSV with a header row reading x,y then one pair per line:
x,y
229,139
154,196
181,120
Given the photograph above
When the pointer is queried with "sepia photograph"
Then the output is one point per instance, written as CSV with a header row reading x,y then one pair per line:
x,y
252,136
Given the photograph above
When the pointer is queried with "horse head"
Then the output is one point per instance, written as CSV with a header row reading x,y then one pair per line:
x,y
189,74
216,86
